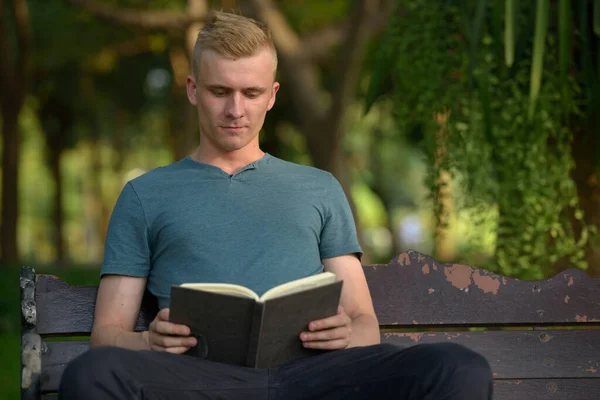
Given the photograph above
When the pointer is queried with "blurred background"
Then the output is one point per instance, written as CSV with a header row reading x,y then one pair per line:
x,y
465,130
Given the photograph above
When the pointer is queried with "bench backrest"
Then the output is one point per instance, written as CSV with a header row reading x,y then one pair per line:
x,y
542,338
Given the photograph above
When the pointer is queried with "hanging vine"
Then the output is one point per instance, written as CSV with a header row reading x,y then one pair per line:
x,y
507,150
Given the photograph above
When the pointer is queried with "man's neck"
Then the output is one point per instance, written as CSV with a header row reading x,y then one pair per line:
x,y
231,161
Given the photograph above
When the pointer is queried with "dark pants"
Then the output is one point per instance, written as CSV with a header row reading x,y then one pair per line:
x,y
434,371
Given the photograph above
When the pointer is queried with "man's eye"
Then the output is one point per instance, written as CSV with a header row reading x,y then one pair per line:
x,y
252,95
219,93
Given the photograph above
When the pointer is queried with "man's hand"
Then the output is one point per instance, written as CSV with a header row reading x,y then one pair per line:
x,y
331,333
167,336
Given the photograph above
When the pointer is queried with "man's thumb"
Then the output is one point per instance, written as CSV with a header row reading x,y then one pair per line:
x,y
164,314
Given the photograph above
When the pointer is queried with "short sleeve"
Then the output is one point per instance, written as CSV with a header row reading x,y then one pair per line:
x,y
127,250
338,235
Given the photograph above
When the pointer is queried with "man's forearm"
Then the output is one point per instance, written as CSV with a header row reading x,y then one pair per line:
x,y
113,335
365,331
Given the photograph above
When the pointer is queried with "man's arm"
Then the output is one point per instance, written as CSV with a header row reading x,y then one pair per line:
x,y
355,323
356,299
117,308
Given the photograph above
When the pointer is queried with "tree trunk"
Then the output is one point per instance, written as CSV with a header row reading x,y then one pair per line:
x,y
94,208
15,76
95,232
183,118
588,188
328,154
10,164
56,122
55,151
445,248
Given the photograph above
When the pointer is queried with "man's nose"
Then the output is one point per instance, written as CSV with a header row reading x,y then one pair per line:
x,y
235,106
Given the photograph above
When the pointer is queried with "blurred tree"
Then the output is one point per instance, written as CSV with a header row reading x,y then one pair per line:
x,y
69,106
297,56
515,104
180,22
57,119
15,78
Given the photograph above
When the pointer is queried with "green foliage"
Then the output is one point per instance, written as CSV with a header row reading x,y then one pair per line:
x,y
9,366
63,35
311,15
523,168
502,153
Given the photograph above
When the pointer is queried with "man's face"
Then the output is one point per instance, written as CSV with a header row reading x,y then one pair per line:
x,y
232,97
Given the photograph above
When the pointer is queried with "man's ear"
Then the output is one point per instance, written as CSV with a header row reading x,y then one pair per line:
x,y
273,95
191,89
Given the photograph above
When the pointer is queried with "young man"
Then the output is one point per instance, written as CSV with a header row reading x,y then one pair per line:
x,y
231,213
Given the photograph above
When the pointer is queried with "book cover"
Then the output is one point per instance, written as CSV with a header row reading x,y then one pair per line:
x,y
235,326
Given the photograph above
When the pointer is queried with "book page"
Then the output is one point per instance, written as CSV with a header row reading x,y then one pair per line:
x,y
225,288
299,285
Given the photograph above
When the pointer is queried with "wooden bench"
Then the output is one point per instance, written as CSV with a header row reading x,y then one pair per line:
x,y
417,300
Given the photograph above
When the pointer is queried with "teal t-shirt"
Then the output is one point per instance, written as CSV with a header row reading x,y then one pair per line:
x,y
269,223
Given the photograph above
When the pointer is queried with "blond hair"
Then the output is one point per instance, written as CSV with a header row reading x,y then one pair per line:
x,y
232,35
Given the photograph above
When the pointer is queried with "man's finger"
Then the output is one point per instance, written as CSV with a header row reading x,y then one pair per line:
x,y
169,328
329,334
327,344
328,323
173,341
176,350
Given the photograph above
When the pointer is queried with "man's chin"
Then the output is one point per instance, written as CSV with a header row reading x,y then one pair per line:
x,y
232,146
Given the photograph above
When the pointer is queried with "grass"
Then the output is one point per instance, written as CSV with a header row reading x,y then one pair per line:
x,y
10,319
9,366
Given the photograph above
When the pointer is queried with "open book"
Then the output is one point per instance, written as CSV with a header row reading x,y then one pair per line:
x,y
236,326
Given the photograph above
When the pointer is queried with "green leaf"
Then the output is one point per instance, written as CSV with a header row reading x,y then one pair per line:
x,y
539,41
385,60
382,70
509,32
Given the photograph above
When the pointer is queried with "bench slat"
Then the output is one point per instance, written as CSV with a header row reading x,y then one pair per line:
x,y
547,389
414,289
55,357
523,354
69,310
